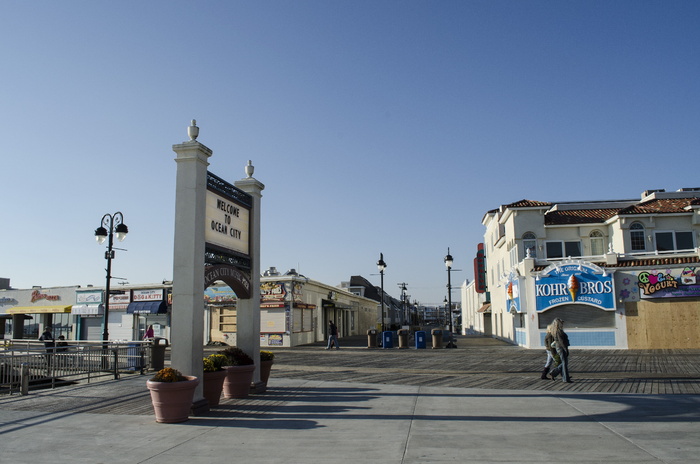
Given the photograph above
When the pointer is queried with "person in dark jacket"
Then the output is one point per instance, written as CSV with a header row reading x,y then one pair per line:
x,y
561,345
49,343
332,336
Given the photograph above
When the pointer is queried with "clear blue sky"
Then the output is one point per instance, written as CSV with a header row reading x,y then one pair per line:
x,y
376,126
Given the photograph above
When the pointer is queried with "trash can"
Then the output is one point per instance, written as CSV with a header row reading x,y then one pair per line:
x,y
372,338
420,339
403,338
158,353
437,338
387,339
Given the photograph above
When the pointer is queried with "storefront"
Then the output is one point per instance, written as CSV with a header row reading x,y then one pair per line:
x,y
583,295
89,312
661,305
38,308
147,307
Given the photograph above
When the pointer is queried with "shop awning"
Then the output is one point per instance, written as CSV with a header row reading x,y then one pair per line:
x,y
147,307
38,309
485,308
88,309
9,316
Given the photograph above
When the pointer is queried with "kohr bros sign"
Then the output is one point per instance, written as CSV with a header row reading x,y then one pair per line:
x,y
576,282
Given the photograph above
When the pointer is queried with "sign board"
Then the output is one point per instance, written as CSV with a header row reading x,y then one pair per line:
x,y
574,283
513,294
656,284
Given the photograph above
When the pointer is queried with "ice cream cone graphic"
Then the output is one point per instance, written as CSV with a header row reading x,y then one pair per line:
x,y
510,290
573,287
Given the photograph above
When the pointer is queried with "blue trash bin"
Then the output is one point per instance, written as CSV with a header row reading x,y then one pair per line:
x,y
387,339
420,339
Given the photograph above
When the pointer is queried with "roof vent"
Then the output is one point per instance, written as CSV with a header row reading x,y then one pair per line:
x,y
272,271
292,272
689,189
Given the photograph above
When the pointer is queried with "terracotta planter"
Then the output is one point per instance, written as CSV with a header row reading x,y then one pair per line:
x,y
238,381
265,367
213,385
172,401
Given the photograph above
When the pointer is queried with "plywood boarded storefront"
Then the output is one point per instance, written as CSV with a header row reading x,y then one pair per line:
x,y
663,324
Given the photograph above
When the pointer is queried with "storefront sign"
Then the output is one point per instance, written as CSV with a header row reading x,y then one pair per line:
x,y
275,340
8,302
656,284
148,295
574,283
119,301
273,292
37,295
513,295
89,297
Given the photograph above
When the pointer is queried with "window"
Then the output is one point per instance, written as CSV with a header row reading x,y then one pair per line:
x,y
597,243
669,241
530,244
563,249
637,237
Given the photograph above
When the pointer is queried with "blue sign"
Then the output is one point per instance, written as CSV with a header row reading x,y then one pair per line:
x,y
513,295
574,283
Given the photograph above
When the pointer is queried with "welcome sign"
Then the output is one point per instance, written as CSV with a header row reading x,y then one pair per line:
x,y
574,283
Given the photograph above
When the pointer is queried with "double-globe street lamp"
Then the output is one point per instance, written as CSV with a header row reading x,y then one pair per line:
x,y
381,265
448,264
111,225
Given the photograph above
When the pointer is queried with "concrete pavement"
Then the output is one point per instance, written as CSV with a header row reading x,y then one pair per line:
x,y
306,419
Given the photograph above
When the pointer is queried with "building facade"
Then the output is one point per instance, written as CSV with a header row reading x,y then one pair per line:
x,y
620,273
294,310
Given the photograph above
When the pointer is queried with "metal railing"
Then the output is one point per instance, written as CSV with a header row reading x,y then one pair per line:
x,y
28,365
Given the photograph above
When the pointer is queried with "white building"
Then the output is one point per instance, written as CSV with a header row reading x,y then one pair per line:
x,y
621,273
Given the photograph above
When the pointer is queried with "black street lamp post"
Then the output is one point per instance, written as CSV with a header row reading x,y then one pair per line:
x,y
381,265
448,264
111,225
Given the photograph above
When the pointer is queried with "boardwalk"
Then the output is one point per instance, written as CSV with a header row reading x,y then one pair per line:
x,y
478,362
481,362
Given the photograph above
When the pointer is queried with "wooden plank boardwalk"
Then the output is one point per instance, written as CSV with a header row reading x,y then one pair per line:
x,y
482,362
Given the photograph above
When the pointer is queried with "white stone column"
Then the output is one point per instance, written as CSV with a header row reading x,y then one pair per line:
x,y
187,323
248,311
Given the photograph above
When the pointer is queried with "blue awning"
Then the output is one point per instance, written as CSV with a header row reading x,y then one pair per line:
x,y
147,307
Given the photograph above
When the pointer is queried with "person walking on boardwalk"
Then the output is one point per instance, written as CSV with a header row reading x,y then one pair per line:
x,y
561,345
551,352
49,343
332,336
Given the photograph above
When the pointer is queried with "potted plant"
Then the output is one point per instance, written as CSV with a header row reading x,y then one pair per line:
x,y
213,378
171,395
240,370
267,358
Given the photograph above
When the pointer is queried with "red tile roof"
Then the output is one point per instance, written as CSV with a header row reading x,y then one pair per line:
x,y
528,204
579,216
662,205
651,262
600,215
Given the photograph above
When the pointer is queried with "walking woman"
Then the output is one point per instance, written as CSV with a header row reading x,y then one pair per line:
x,y
561,345
548,339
